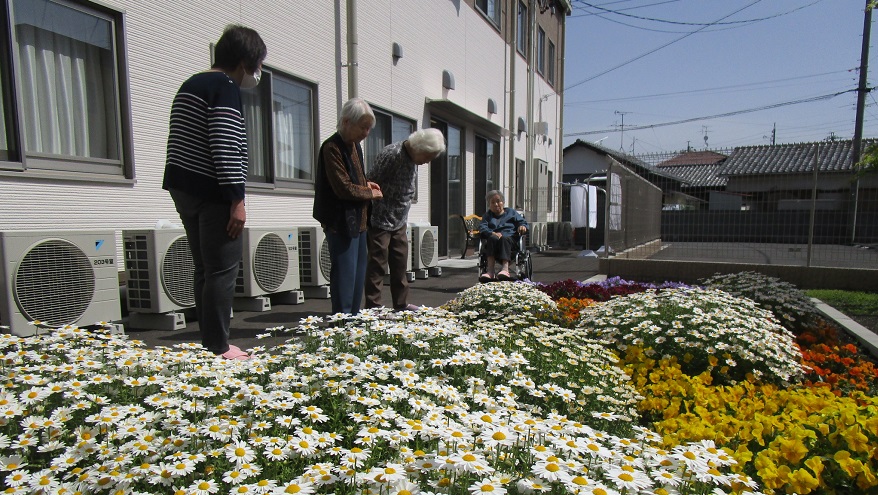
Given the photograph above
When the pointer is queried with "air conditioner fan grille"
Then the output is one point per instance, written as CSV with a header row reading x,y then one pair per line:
x,y
428,248
325,260
178,273
54,283
271,262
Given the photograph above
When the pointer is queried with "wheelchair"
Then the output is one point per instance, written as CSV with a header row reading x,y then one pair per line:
x,y
520,266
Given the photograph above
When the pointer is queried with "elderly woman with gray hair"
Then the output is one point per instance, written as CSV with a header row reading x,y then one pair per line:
x,y
395,169
498,226
341,199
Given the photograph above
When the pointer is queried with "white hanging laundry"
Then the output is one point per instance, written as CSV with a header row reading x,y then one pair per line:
x,y
578,207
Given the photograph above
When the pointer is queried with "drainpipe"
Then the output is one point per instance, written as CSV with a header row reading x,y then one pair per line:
x,y
513,55
559,89
529,172
353,82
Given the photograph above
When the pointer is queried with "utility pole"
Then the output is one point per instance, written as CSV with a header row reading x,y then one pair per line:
x,y
622,139
857,142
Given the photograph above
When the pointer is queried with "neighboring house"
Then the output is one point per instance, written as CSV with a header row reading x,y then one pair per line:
x,y
86,89
772,178
774,194
699,171
782,177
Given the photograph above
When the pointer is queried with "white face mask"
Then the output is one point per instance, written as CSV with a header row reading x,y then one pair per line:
x,y
250,81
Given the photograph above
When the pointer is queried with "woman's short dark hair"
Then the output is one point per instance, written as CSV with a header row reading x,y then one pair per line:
x,y
239,44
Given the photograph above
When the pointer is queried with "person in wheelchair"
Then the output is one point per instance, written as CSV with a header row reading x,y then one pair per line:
x,y
499,230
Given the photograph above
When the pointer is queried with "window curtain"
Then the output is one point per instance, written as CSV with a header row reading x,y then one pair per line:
x,y
67,81
377,139
294,143
257,162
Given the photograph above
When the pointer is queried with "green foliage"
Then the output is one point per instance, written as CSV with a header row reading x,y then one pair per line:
x,y
853,302
868,162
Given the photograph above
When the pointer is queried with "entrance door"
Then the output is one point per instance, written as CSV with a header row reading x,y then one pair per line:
x,y
447,191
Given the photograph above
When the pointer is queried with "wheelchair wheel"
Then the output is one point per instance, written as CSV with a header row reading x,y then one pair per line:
x,y
525,266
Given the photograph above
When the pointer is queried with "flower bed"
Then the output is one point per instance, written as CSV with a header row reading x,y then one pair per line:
x,y
423,403
498,393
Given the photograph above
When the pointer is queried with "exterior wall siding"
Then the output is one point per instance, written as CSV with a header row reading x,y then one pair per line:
x,y
168,40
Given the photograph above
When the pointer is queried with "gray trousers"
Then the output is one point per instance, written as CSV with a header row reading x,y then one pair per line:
x,y
217,258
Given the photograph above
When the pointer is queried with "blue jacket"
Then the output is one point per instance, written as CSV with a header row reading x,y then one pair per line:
x,y
507,223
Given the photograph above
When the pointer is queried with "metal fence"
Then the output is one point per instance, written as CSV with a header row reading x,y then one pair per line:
x,y
817,215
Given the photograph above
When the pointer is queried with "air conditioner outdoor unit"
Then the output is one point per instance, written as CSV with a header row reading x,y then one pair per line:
x,y
270,263
544,234
59,278
160,271
533,238
314,262
424,246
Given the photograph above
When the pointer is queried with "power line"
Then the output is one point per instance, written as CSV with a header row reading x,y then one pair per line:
x,y
703,90
658,48
727,114
708,24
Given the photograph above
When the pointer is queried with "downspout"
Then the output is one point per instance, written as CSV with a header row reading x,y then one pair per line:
x,y
353,83
559,83
529,170
512,35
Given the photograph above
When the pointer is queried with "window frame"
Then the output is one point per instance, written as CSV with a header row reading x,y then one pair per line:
x,y
550,67
61,166
541,50
495,18
521,38
266,93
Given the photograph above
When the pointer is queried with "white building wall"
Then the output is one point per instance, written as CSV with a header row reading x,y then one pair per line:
x,y
168,40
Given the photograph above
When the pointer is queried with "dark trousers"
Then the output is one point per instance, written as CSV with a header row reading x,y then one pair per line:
x,y
217,258
500,249
348,273
387,249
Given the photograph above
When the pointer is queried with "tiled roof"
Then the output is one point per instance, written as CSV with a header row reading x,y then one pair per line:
x,y
698,175
694,158
835,156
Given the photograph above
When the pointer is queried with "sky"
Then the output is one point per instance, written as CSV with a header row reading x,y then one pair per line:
x,y
653,63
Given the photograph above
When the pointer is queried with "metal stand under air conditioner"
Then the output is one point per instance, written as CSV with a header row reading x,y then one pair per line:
x,y
288,297
319,292
435,271
259,304
157,321
421,274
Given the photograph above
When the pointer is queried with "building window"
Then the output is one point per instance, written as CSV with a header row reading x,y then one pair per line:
x,y
550,67
4,128
491,9
71,99
389,128
521,35
541,51
551,192
279,115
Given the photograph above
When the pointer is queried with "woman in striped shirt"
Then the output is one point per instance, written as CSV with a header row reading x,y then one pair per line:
x,y
205,173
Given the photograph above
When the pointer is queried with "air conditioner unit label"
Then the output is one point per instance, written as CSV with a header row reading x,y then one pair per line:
x,y
105,261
